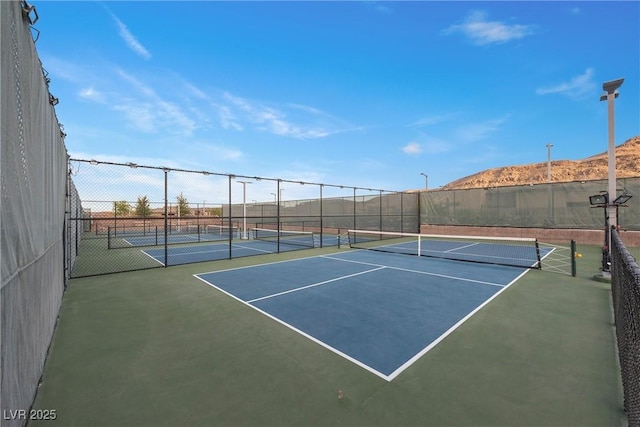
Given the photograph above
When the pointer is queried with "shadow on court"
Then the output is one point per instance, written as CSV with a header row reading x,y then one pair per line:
x,y
160,347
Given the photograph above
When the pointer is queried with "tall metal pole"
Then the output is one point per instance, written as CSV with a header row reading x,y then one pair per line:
x,y
321,221
166,218
549,162
244,207
354,208
380,221
278,216
230,221
549,190
611,94
426,180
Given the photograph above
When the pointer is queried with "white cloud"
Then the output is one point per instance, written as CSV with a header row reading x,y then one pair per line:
x,y
276,121
227,119
92,94
64,69
308,109
435,145
195,91
369,164
130,39
482,31
378,6
576,88
212,150
138,114
150,113
476,131
432,120
412,148
137,84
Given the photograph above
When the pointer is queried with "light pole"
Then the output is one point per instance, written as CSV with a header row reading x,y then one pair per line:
x,y
275,197
244,207
549,162
611,94
549,190
426,180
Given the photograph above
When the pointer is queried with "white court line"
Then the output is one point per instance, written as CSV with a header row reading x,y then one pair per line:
x,y
462,247
152,257
144,251
259,265
314,285
251,249
198,252
424,252
418,271
127,242
480,256
357,362
450,330
301,332
224,249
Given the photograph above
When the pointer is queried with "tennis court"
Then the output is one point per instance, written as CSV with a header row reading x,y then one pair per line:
x,y
381,311
265,242
156,236
535,351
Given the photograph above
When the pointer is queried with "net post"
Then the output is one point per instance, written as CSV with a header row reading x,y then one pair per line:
x,y
539,267
230,221
573,258
278,223
166,217
322,223
419,245
108,237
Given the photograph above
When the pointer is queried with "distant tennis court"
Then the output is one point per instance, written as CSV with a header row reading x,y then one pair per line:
x,y
381,311
261,242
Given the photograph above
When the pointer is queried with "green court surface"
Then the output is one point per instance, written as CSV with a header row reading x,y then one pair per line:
x,y
160,347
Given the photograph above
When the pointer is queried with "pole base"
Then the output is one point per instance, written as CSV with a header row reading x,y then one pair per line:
x,y
603,276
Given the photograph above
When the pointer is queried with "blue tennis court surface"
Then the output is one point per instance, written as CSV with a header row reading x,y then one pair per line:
x,y
213,251
156,240
381,311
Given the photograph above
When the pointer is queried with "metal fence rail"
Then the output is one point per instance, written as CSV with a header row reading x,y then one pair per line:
x,y
136,217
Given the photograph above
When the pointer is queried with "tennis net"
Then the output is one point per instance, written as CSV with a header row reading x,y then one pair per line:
x,y
221,230
625,290
133,235
511,251
287,237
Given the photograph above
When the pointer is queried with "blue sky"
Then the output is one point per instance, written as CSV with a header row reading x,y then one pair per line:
x,y
356,93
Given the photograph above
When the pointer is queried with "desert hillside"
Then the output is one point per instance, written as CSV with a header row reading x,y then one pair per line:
x,y
595,167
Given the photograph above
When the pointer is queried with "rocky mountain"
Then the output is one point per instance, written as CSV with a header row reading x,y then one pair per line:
x,y
594,167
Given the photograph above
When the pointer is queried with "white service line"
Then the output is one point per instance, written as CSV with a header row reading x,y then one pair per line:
x,y
315,284
419,272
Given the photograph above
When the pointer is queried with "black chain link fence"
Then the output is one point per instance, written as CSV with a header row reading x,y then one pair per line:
x,y
625,288
135,217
